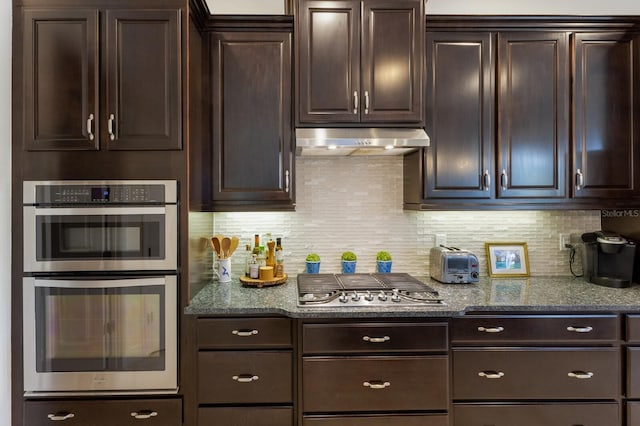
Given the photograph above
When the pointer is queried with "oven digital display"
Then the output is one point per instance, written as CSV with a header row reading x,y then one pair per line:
x,y
100,194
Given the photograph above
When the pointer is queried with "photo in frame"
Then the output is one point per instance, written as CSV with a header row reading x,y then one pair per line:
x,y
507,259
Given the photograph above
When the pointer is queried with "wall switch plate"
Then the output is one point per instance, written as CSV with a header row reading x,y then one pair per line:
x,y
440,240
565,239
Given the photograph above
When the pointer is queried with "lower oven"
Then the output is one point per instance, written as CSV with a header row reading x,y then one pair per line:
x,y
100,335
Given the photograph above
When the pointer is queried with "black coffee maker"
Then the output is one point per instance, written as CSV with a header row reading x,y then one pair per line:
x,y
608,259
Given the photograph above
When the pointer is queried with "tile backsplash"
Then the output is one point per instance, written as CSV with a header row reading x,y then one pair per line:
x,y
355,203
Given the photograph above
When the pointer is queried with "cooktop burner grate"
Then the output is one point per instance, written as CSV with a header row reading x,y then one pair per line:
x,y
398,289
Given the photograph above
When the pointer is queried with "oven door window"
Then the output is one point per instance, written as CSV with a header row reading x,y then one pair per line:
x,y
82,237
100,329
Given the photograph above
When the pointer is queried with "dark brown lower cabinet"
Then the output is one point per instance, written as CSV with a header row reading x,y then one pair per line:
x,y
382,420
633,413
245,416
592,414
133,412
375,383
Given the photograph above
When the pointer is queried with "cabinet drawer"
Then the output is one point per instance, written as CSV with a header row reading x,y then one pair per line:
x,y
228,377
606,414
156,412
362,337
544,373
633,328
379,420
633,372
236,333
254,416
530,329
374,383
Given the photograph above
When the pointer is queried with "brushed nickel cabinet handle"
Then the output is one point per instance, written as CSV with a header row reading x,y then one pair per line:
x,y
504,179
90,127
366,102
486,180
376,339
245,378
376,384
143,415
244,333
580,374
356,102
579,180
491,374
491,329
112,118
286,181
586,329
60,417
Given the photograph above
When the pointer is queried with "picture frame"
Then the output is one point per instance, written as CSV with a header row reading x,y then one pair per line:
x,y
507,259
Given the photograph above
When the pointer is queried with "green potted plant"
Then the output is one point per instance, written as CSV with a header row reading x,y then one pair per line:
x,y
349,262
383,261
313,263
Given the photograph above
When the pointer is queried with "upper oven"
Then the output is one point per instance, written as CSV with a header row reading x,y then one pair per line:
x,y
100,226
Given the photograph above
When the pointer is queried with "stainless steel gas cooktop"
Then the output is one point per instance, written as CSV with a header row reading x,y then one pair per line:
x,y
355,290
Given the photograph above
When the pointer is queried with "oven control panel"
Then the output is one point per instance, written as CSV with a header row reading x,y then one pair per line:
x,y
108,192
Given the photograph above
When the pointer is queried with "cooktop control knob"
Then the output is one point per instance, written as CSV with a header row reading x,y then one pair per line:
x,y
343,297
369,297
355,297
395,296
382,296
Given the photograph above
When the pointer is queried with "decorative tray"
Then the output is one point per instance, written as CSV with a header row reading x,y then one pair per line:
x,y
254,282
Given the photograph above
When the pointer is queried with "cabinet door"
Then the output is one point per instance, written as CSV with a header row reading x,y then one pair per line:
x,y
392,61
60,79
533,100
606,94
459,162
328,64
252,129
253,416
143,89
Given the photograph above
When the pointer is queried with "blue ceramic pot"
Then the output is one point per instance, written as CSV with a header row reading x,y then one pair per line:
x,y
313,267
384,266
348,266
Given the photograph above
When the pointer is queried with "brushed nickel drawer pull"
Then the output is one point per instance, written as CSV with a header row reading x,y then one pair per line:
x,y
355,102
491,329
376,384
245,333
366,102
143,415
376,339
59,417
586,329
491,374
580,374
286,181
245,378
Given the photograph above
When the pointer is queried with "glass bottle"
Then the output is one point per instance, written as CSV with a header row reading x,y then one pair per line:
x,y
279,271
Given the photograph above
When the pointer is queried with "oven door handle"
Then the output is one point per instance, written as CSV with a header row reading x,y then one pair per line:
x,y
97,211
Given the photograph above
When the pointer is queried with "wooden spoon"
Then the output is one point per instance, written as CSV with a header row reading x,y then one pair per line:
x,y
234,245
215,241
225,245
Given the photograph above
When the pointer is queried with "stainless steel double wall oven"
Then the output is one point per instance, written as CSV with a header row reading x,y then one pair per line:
x,y
100,287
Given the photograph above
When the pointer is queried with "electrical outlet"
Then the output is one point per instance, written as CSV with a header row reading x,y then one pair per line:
x,y
564,240
441,240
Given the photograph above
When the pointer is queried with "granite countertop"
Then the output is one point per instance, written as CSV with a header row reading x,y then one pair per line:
x,y
533,294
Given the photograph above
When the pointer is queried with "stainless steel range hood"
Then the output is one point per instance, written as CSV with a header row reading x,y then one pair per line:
x,y
359,141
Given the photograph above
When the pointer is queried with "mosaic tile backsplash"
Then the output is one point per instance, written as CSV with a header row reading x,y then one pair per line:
x,y
355,203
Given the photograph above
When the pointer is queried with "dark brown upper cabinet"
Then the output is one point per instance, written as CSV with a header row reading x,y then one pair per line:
x,y
606,129
360,62
252,159
102,79
516,83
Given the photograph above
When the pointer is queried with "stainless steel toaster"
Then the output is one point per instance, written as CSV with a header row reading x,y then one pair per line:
x,y
453,265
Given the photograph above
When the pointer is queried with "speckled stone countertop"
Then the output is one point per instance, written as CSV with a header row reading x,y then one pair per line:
x,y
534,294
